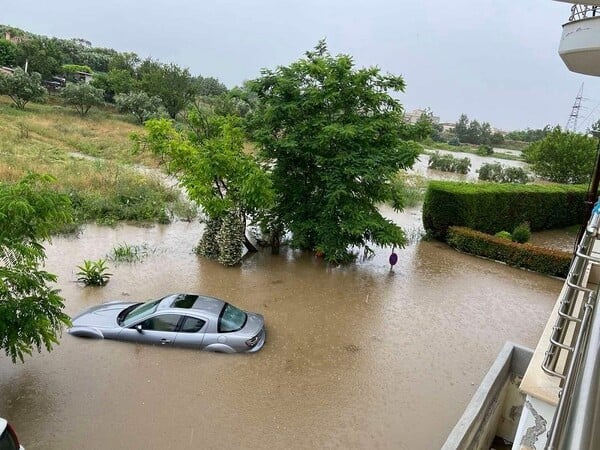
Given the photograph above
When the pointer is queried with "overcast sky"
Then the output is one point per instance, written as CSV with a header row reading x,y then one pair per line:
x,y
495,61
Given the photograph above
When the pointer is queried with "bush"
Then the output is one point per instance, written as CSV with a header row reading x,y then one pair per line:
x,y
485,150
448,163
539,259
93,273
490,207
521,233
504,235
498,173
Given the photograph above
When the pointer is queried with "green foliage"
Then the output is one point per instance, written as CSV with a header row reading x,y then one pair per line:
x,y
93,273
74,68
139,104
208,86
8,53
473,132
332,135
521,233
117,81
529,135
485,150
539,259
454,141
562,157
82,96
172,84
498,173
412,188
504,235
129,253
449,163
130,197
30,309
420,130
22,87
491,207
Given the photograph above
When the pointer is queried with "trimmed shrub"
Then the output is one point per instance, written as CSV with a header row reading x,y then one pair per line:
x,y
521,233
490,207
528,256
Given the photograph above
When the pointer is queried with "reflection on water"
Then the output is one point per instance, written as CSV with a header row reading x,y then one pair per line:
x,y
356,356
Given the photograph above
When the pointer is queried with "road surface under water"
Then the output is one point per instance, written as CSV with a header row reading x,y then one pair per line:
x,y
356,356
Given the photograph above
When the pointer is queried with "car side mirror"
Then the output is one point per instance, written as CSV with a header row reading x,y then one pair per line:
x,y
138,327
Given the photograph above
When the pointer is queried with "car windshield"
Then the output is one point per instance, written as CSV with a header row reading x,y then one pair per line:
x,y
231,319
139,312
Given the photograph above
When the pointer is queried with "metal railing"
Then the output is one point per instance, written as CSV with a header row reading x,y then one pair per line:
x,y
579,12
569,357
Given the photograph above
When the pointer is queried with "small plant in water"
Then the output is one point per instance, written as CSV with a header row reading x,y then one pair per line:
x,y
93,273
128,253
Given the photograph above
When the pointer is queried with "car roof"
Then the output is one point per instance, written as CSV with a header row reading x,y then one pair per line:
x,y
195,302
3,424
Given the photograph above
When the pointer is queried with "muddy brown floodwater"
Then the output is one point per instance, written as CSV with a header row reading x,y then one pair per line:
x,y
356,356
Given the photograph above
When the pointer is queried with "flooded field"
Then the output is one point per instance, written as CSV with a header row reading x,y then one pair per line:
x,y
356,356
420,167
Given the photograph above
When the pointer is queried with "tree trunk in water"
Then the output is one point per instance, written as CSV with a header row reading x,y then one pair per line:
x,y
275,242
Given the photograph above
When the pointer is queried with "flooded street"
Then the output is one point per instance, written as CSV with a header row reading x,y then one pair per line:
x,y
355,357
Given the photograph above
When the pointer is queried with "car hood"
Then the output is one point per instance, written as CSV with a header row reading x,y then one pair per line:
x,y
101,316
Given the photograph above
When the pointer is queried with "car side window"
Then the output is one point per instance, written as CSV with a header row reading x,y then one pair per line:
x,y
164,322
192,325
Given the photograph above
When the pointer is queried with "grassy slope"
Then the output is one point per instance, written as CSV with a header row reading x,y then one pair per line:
x,y
43,138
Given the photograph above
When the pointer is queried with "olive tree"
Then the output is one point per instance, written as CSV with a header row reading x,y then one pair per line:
x,y
139,104
31,314
22,87
332,134
82,96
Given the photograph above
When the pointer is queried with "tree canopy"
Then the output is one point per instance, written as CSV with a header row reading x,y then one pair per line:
x,y
30,310
82,96
562,157
332,135
22,87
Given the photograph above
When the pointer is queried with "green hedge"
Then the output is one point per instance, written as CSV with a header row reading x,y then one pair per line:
x,y
491,207
528,256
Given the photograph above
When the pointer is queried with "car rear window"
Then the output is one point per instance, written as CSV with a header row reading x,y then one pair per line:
x,y
231,319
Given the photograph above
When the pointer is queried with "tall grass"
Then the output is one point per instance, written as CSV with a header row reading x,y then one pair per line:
x,y
43,139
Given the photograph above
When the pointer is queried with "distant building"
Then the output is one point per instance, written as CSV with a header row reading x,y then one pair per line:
x,y
415,114
447,126
84,77
14,39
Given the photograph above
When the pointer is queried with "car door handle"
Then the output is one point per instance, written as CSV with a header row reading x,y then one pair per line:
x,y
164,341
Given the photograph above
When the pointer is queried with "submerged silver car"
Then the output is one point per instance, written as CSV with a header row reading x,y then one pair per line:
x,y
185,320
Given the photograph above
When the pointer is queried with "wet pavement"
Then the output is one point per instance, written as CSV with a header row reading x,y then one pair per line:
x,y
355,357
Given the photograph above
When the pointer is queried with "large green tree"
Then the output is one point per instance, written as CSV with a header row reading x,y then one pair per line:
x,y
22,87
8,53
172,84
562,157
30,308
332,135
